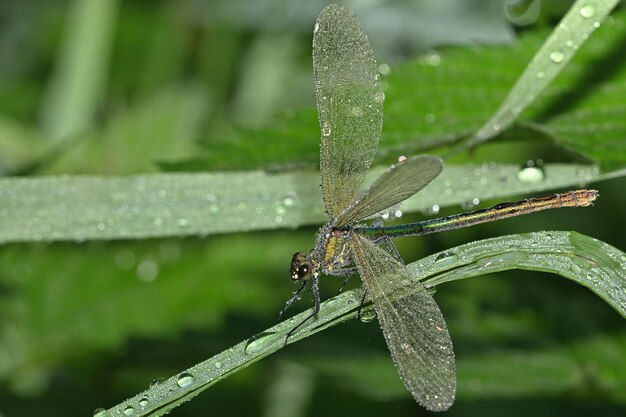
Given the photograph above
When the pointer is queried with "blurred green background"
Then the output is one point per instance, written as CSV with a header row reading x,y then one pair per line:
x,y
110,87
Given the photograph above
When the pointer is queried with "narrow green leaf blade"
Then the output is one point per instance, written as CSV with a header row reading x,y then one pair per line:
x,y
585,260
76,87
590,262
156,205
570,34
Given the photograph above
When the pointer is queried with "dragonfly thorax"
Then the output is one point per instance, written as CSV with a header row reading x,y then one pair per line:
x,y
329,255
331,251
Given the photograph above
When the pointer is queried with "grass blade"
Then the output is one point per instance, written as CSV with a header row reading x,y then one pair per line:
x,y
574,29
592,263
75,90
157,205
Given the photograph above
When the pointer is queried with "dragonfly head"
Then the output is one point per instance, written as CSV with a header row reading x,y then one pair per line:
x,y
302,266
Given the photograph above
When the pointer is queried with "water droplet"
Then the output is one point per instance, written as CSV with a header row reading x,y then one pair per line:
x,y
148,270
326,130
218,365
379,97
99,412
158,221
183,222
576,269
156,381
398,214
587,11
401,158
356,112
557,57
523,13
430,118
540,74
214,208
129,411
385,215
434,60
434,209
531,172
281,210
143,403
162,193
278,219
101,226
384,69
367,315
260,341
290,200
184,380
446,257
470,204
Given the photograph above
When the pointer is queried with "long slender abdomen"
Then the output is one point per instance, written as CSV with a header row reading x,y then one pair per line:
x,y
578,198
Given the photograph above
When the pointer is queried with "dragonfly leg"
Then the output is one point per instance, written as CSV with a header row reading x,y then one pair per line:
x,y
315,289
347,273
358,314
295,296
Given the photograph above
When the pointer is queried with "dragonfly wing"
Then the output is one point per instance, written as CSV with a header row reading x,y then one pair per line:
x,y
412,324
349,104
395,185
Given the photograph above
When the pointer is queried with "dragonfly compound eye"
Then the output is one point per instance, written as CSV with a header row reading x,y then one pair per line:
x,y
304,270
300,267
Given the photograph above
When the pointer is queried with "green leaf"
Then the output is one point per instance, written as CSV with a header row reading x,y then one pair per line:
x,y
86,208
570,34
76,87
442,99
59,302
439,99
556,371
161,127
592,263
560,370
19,146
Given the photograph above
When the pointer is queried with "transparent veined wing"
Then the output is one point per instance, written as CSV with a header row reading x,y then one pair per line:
x,y
395,185
349,104
413,326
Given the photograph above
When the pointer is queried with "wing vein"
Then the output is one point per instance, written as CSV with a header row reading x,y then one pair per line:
x,y
413,326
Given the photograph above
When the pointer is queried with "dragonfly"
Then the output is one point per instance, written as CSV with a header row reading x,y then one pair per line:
x,y
350,109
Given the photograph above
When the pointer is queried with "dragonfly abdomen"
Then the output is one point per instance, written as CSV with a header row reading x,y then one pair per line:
x,y
578,198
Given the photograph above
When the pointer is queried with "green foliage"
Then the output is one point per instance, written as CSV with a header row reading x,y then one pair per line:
x,y
162,270
439,99
562,253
